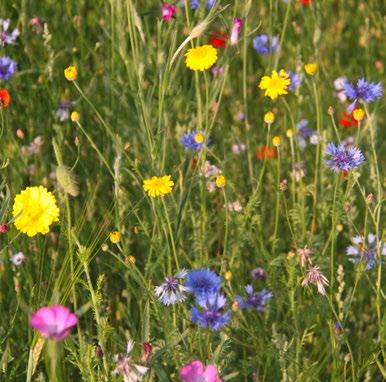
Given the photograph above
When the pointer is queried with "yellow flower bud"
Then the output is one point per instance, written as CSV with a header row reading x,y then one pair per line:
x,y
71,73
311,68
199,138
75,116
130,260
358,114
269,117
228,275
276,141
115,237
290,133
104,247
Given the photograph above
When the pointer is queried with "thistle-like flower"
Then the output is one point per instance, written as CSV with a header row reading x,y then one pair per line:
x,y
171,290
315,276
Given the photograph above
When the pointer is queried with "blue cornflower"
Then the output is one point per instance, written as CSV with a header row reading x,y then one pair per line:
x,y
193,140
361,251
254,300
343,158
363,91
212,314
261,44
202,281
295,80
210,3
171,290
7,68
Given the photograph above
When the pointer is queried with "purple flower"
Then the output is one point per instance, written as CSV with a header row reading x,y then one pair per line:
x,y
7,68
295,80
211,314
363,91
261,44
254,300
210,3
259,274
171,290
7,37
54,322
366,252
63,111
343,158
193,140
305,132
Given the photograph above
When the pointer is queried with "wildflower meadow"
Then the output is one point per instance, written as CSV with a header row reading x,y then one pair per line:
x,y
192,190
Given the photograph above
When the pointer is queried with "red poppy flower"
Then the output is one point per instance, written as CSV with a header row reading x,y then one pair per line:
x,y
305,2
4,97
347,120
266,152
219,39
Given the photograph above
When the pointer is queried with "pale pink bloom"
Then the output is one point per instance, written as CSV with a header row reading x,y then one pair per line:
x,y
235,206
211,186
341,96
54,322
168,11
210,170
197,372
130,371
304,256
216,70
314,276
236,28
238,148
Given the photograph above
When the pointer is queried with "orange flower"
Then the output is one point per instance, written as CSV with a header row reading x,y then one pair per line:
x,y
4,97
266,152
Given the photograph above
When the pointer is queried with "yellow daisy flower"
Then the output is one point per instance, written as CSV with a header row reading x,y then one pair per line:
x,y
275,85
71,73
158,186
115,237
201,57
34,210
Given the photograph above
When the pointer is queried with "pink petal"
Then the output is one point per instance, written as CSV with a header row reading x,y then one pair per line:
x,y
211,374
192,371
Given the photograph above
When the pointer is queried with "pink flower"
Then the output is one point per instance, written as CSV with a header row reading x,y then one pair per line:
x,y
197,372
54,322
168,11
236,28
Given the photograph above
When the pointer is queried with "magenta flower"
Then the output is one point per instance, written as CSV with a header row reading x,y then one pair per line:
x,y
236,28
54,322
168,11
197,372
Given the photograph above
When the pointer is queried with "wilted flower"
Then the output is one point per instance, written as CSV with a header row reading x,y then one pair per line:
x,y
54,322
210,170
34,147
18,258
36,24
202,281
262,46
7,37
298,171
171,290
363,91
196,371
366,252
211,315
7,68
130,371
254,300
304,256
314,276
236,28
342,158
168,11
147,352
